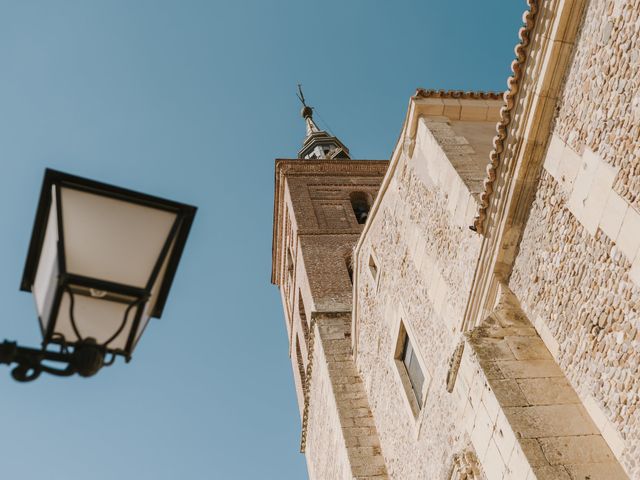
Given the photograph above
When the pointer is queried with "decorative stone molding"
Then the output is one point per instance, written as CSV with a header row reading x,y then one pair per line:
x,y
513,82
454,366
539,72
466,467
461,94
307,387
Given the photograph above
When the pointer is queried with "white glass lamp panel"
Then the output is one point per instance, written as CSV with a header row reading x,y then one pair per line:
x,y
46,279
111,239
151,303
96,318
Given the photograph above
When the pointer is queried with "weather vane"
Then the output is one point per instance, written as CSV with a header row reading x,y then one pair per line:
x,y
307,111
301,95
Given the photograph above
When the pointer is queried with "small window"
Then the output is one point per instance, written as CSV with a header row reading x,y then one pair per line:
x,y
373,268
414,371
361,204
415,380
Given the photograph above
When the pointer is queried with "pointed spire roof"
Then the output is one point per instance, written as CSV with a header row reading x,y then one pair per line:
x,y
318,144
307,114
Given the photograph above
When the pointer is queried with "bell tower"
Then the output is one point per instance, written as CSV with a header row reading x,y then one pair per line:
x,y
321,204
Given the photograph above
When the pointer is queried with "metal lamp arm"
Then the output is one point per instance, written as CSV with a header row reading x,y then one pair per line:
x,y
86,359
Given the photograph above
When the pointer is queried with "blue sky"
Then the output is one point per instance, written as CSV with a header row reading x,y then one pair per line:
x,y
193,100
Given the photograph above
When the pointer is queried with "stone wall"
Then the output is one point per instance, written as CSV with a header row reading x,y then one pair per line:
x,y
600,105
326,451
576,289
524,418
578,270
342,442
425,265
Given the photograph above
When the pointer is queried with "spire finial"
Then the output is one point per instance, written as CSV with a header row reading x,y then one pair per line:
x,y
307,111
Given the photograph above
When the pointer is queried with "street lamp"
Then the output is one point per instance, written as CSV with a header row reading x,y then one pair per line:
x,y
100,264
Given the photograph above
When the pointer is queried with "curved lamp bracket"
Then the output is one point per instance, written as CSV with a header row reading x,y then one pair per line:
x,y
85,359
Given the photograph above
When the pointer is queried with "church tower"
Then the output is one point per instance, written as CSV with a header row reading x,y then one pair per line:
x,y
322,200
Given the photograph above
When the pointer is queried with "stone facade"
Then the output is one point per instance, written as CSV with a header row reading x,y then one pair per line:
x,y
423,260
508,350
576,271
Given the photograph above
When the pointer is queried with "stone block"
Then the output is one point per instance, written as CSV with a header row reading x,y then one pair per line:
x,y
508,393
518,467
628,239
549,421
590,190
634,271
490,402
613,439
492,349
613,214
493,110
547,391
452,108
504,437
547,337
430,107
597,471
482,432
554,156
493,464
533,452
491,370
576,450
529,368
473,109
568,168
551,473
528,348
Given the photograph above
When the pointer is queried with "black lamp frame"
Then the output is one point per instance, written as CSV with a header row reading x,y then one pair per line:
x,y
86,356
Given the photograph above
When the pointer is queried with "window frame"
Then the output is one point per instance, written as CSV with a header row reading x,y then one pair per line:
x,y
415,410
374,275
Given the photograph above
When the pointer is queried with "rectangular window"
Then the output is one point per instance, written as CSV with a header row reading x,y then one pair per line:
x,y
412,373
373,268
411,364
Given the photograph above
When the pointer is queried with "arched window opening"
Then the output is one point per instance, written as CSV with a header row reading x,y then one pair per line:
x,y
361,204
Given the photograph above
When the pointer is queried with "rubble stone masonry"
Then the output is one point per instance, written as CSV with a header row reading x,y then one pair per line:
x,y
425,264
578,271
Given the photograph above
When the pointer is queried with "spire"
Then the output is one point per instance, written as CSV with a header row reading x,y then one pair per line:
x,y
318,144
307,114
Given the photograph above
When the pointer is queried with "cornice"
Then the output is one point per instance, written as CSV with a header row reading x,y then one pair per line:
x,y
513,84
459,94
318,167
543,58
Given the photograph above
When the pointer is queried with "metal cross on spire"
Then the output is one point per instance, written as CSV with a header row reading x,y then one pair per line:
x,y
307,113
